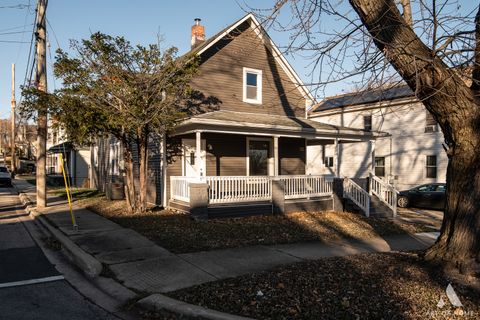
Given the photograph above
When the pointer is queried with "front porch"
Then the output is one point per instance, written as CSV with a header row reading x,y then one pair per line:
x,y
249,195
230,161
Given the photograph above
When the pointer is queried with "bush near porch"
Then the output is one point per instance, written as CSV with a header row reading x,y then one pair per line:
x,y
178,233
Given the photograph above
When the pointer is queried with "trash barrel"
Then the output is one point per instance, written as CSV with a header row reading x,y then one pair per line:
x,y
116,191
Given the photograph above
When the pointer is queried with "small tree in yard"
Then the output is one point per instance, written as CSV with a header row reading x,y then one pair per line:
x,y
129,92
439,59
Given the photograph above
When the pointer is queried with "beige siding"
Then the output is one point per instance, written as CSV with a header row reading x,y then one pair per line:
x,y
292,156
226,155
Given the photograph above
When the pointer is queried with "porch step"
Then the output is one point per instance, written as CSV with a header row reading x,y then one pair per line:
x,y
234,210
179,205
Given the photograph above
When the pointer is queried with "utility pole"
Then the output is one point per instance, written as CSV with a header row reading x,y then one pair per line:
x,y
41,81
13,164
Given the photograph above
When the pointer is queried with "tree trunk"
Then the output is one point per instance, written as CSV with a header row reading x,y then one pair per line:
x,y
143,157
130,182
455,107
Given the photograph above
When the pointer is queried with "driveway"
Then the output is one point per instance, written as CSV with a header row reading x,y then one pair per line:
x,y
427,217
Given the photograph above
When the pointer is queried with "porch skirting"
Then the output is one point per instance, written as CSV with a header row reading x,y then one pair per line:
x,y
232,210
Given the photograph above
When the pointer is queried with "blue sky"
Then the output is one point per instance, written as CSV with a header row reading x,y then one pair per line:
x,y
139,21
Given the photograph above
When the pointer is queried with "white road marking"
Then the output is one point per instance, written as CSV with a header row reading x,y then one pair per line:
x,y
32,281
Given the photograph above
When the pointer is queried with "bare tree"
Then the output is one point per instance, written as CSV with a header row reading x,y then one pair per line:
x,y
438,57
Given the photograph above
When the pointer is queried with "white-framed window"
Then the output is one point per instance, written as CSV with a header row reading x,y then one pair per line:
x,y
367,123
328,162
380,166
252,85
431,167
430,122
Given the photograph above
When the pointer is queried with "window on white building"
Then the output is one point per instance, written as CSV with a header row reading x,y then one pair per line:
x,y
367,123
431,166
380,166
328,161
430,123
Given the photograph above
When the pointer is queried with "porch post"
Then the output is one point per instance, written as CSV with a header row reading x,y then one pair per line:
x,y
372,147
198,150
275,156
372,169
335,159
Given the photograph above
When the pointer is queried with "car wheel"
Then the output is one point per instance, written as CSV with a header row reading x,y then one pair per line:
x,y
402,202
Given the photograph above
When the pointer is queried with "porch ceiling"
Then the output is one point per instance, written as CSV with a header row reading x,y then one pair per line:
x,y
270,125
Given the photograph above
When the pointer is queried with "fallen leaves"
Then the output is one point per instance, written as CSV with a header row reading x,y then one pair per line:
x,y
367,286
179,233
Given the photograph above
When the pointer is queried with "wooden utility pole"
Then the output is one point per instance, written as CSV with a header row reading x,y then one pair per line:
x,y
13,164
41,81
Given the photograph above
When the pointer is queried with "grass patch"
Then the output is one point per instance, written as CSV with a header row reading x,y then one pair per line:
x,y
367,286
178,233
78,194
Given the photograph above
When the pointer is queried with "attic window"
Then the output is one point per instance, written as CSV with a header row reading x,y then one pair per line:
x,y
252,85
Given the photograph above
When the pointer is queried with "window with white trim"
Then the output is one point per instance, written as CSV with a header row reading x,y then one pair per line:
x,y
431,166
328,162
380,166
252,85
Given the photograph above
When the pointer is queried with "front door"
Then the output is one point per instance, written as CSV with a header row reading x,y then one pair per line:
x,y
260,162
189,158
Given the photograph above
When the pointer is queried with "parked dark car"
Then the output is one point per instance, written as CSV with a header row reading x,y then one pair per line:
x,y
431,196
5,177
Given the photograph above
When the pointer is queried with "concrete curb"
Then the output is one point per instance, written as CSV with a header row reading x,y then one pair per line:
x,y
90,266
157,301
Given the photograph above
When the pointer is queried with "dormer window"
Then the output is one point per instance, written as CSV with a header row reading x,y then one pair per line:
x,y
252,85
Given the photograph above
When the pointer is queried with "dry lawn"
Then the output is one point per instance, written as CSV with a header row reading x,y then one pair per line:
x,y
367,286
179,233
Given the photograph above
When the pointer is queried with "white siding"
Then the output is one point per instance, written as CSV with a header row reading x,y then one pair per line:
x,y
405,151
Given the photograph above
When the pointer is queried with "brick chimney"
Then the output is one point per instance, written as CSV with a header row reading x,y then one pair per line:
x,y
198,33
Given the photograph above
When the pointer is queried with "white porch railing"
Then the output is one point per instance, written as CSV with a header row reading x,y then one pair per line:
x,y
227,189
357,194
306,186
179,188
232,189
385,192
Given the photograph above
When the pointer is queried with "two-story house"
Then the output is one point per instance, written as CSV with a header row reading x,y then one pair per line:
x,y
258,134
412,154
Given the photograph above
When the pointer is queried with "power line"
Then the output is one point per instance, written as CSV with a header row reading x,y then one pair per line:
x,y
12,32
18,27
18,6
13,41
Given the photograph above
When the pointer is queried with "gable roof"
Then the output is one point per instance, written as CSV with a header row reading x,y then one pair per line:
x,y
267,41
363,97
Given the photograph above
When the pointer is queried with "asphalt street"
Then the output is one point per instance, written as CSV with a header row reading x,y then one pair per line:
x,y
30,286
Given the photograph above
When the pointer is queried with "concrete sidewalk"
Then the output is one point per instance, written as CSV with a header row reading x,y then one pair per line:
x,y
141,265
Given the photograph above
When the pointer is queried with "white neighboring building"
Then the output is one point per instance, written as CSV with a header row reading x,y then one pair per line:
x,y
412,155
